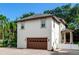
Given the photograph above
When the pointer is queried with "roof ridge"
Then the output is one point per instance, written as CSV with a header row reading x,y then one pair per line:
x,y
42,16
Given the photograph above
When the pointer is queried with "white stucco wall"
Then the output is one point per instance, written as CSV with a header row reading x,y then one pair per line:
x,y
33,29
55,34
62,27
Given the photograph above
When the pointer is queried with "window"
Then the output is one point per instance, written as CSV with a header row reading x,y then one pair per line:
x,y
43,24
22,26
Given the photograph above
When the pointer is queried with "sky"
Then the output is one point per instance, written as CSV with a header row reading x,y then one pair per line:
x,y
15,10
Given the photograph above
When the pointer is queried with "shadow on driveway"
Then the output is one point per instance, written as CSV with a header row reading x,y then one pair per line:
x,y
66,52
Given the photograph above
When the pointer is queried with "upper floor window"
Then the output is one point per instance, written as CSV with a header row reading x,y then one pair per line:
x,y
43,25
22,26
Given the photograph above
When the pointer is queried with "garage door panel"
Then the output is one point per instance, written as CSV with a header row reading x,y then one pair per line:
x,y
37,43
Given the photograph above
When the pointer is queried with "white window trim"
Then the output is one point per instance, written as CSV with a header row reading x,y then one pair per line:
x,y
43,21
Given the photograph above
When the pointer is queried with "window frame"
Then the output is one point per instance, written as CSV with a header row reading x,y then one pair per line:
x,y
22,26
43,23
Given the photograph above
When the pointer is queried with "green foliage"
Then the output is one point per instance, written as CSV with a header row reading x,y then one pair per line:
x,y
62,11
11,34
8,30
71,26
76,36
27,14
5,42
78,43
14,43
67,12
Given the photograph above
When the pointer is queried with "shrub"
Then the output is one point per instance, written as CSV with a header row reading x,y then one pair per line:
x,y
14,43
5,42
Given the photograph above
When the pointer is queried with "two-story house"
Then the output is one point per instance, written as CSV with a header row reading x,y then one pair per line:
x,y
40,32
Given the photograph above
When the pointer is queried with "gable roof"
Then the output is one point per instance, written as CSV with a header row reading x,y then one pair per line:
x,y
67,30
62,21
39,16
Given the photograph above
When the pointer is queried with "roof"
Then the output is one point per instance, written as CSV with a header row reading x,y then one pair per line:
x,y
67,30
38,16
62,20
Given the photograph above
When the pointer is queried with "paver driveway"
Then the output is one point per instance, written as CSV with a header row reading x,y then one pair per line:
x,y
15,51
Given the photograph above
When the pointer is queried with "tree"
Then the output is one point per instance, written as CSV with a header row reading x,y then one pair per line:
x,y
27,15
8,31
62,12
75,15
71,26
67,12
3,20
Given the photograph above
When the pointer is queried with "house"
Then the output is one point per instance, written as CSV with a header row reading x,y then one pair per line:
x,y
43,31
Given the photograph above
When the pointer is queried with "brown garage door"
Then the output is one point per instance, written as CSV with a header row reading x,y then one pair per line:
x,y
37,43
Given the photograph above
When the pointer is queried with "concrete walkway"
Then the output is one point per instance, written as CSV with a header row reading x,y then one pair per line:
x,y
66,52
15,51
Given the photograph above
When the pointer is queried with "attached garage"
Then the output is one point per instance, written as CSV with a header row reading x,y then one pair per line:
x,y
37,43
